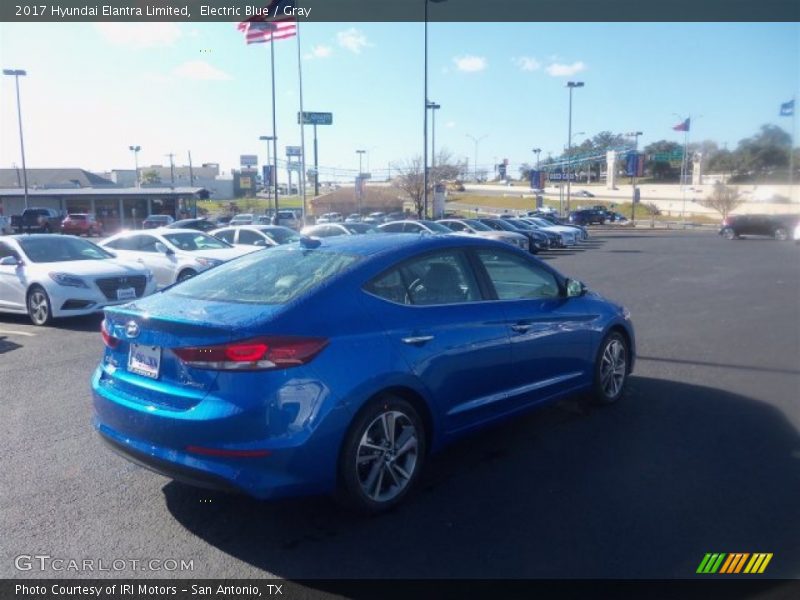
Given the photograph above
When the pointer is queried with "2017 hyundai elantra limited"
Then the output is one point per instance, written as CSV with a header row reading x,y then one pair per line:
x,y
340,365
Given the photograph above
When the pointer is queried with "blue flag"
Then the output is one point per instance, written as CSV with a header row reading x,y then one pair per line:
x,y
787,108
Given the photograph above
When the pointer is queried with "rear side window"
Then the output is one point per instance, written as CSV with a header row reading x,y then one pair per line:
x,y
441,278
514,278
251,238
275,277
226,235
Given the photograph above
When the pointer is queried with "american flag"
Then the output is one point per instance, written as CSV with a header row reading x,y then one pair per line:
x,y
273,25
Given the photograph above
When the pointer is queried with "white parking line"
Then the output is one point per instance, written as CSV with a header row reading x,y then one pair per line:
x,y
8,332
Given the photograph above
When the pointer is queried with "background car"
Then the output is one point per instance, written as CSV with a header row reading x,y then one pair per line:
x,y
37,220
338,365
539,240
554,220
474,227
573,233
81,224
588,216
242,219
585,194
779,227
256,235
353,218
287,218
334,229
173,254
410,226
49,277
376,218
156,221
197,224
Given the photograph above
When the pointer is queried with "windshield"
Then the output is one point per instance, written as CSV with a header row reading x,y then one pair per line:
x,y
61,249
436,227
280,235
273,277
477,225
541,222
191,242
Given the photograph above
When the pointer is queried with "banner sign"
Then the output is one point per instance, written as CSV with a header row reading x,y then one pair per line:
x,y
634,165
248,160
267,175
294,151
316,118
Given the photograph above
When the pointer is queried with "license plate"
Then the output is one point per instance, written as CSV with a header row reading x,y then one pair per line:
x,y
144,360
126,294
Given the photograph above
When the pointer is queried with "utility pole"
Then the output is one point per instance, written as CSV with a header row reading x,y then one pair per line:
x,y
16,74
171,169
571,85
635,135
476,141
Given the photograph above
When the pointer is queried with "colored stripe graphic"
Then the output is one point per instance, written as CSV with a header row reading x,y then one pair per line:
x,y
734,563
711,563
758,563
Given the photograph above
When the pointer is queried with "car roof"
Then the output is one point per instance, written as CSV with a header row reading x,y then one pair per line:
x,y
402,243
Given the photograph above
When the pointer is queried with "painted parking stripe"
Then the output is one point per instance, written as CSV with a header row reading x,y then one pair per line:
x,y
9,332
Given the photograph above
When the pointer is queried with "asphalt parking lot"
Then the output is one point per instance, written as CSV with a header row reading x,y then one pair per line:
x,y
702,455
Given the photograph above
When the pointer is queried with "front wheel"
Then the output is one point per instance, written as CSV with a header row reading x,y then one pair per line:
x,y
382,455
729,234
781,234
611,369
39,306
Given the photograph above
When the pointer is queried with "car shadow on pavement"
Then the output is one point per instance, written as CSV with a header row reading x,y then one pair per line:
x,y
641,489
84,323
7,345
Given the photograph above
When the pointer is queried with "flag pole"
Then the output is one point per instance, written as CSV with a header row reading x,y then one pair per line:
x,y
274,124
302,125
791,148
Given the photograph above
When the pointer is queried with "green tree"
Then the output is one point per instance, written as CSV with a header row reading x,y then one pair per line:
x,y
151,177
765,152
661,170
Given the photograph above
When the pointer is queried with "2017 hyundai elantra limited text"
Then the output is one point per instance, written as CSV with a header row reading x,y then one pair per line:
x,y
338,366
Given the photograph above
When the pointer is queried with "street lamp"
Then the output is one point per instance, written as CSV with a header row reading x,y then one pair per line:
x,y
268,185
433,108
135,150
361,154
635,135
425,117
476,141
537,151
16,74
571,85
360,182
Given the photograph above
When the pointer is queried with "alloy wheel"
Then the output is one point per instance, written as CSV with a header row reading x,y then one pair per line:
x,y
613,368
387,456
38,307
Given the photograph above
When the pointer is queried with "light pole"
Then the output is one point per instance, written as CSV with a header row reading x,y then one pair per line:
x,y
537,151
635,135
16,74
268,185
433,108
425,113
571,85
135,150
359,186
476,141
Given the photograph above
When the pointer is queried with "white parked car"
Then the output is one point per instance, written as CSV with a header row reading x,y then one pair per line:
x,y
422,226
473,227
256,235
5,225
49,276
569,235
334,229
173,254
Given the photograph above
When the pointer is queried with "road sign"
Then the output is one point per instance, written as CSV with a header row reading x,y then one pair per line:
x,y
248,160
294,151
556,176
316,118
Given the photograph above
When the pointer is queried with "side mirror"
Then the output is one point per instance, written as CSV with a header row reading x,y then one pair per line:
x,y
575,288
10,261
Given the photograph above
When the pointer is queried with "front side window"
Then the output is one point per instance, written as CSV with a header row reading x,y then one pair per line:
x,y
514,278
251,238
226,235
441,278
191,242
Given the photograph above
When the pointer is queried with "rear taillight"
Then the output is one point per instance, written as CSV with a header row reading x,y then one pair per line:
x,y
109,340
254,354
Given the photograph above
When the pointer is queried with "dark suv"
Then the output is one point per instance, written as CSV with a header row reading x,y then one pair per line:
x,y
775,226
587,216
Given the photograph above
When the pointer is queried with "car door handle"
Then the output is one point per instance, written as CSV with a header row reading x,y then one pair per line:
x,y
521,327
417,339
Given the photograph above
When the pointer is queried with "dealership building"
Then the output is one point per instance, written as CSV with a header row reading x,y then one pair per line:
x,y
79,191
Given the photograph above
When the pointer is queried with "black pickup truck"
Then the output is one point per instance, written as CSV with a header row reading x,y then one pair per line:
x,y
37,220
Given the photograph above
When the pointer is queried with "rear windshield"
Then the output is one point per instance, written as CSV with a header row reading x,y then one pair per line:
x,y
275,277
281,235
195,241
61,249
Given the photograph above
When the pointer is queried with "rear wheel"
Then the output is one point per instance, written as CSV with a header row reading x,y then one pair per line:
x,y
729,234
39,306
382,455
186,274
781,234
611,369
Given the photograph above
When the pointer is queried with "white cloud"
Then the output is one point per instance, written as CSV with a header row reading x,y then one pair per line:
x,y
450,124
318,52
200,70
527,63
563,70
353,39
470,64
140,35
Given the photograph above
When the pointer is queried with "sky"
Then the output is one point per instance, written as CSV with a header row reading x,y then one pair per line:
x,y
94,89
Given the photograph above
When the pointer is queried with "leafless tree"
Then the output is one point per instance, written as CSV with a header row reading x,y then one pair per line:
x,y
411,178
723,199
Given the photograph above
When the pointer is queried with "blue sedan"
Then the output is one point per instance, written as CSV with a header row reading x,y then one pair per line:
x,y
338,366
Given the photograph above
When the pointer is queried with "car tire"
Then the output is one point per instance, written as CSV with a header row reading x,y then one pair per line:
x,y
39,308
729,234
781,234
376,470
611,369
185,274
